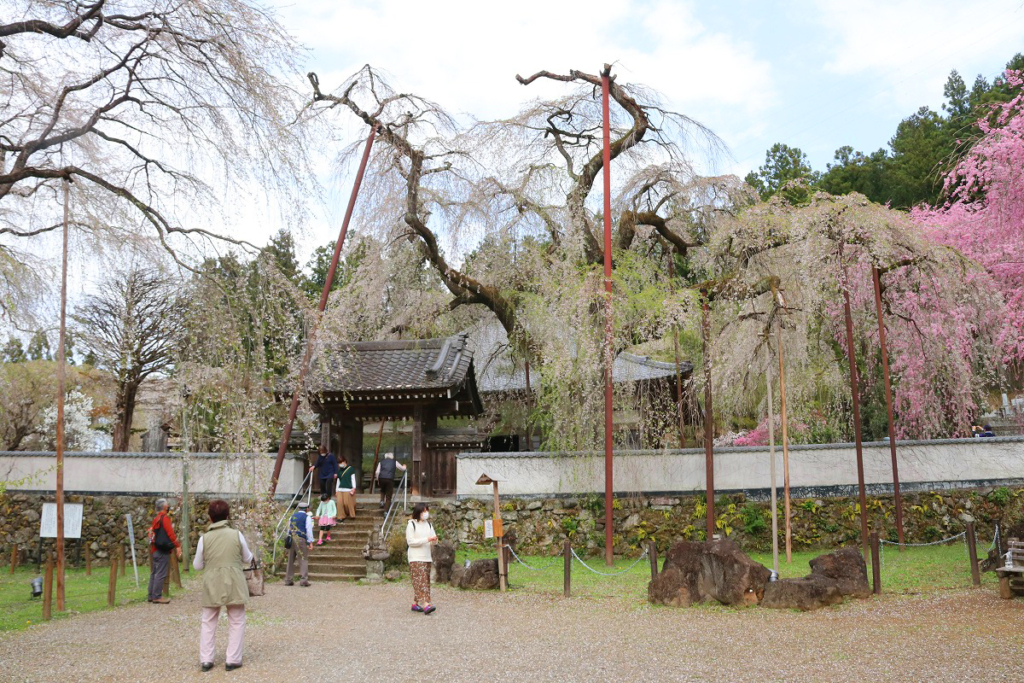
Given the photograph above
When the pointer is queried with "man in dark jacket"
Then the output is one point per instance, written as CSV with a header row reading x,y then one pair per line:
x,y
386,470
162,542
300,529
327,465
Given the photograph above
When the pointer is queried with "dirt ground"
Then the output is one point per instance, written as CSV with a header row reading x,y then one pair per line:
x,y
344,632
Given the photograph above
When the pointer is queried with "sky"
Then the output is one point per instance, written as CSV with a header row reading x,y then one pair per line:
x,y
809,73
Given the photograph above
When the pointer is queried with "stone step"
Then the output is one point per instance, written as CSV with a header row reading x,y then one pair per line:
x,y
337,576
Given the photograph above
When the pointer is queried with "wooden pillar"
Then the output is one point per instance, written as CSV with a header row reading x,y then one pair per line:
x,y
418,452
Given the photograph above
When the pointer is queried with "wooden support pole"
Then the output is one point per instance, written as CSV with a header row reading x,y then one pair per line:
x,y
652,553
112,582
609,335
62,361
88,560
771,471
567,568
499,537
175,573
851,354
48,589
709,421
972,552
876,564
785,449
898,499
14,558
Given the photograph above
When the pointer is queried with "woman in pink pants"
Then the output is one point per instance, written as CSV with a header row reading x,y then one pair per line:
x,y
221,553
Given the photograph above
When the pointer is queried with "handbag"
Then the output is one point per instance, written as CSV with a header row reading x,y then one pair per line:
x,y
288,542
254,579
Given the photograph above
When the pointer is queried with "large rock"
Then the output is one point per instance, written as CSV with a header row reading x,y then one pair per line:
x,y
479,575
846,568
442,558
809,593
719,570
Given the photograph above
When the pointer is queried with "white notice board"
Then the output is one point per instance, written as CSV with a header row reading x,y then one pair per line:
x,y
72,520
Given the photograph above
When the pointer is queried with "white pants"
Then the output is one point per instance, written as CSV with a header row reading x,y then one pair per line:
x,y
236,633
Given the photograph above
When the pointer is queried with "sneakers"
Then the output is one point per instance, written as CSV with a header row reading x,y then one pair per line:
x,y
321,542
328,537
289,583
416,608
428,609
305,584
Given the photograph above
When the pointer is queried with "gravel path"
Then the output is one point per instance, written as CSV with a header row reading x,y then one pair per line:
x,y
950,636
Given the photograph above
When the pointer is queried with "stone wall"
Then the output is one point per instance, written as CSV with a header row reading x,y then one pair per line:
x,y
540,526
104,527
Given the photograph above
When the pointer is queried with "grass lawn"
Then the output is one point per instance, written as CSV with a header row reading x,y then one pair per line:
x,y
913,571
82,593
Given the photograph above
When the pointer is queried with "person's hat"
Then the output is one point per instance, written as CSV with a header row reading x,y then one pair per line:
x,y
303,505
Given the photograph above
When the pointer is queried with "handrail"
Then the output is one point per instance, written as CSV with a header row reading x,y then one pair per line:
x,y
389,518
303,488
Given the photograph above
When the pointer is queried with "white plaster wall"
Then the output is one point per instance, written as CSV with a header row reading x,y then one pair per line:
x,y
954,460
217,474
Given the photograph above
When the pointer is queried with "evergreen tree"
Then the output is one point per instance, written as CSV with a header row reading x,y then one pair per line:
x,y
13,351
39,347
782,164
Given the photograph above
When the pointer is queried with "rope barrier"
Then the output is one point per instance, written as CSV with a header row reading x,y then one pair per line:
x,y
924,545
638,560
534,569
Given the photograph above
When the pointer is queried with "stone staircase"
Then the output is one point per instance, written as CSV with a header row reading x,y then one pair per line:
x,y
341,559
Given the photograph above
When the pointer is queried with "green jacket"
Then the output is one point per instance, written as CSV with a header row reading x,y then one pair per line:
x,y
223,580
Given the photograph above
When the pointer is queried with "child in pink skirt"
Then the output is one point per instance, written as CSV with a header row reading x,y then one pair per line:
x,y
326,513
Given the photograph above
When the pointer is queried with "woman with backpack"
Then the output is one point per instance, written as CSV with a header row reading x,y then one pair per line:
x,y
221,554
420,536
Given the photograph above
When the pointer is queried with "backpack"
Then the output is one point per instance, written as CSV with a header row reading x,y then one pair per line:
x,y
161,540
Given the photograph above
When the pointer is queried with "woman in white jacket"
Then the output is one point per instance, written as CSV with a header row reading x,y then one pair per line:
x,y
420,536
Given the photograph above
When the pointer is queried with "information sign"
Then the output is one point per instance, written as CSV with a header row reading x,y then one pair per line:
x,y
72,520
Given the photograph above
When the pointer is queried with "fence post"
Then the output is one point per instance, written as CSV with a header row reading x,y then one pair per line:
x,y
112,584
14,558
88,560
972,552
876,565
48,589
567,555
175,572
507,551
652,552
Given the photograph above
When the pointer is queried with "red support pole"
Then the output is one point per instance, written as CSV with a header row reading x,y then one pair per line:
x,y
709,421
304,367
609,357
888,405
855,392
61,372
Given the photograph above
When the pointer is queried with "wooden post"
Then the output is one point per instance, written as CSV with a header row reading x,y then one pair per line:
x,y
175,574
112,583
876,564
48,589
499,535
898,499
14,558
652,553
508,563
567,571
120,557
709,421
785,449
972,552
771,470
88,560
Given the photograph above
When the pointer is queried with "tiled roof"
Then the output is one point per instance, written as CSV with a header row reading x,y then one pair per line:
x,y
497,373
431,365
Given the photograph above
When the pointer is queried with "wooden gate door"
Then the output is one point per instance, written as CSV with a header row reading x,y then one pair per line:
x,y
442,476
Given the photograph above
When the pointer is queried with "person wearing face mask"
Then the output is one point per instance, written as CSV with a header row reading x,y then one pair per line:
x,y
420,536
